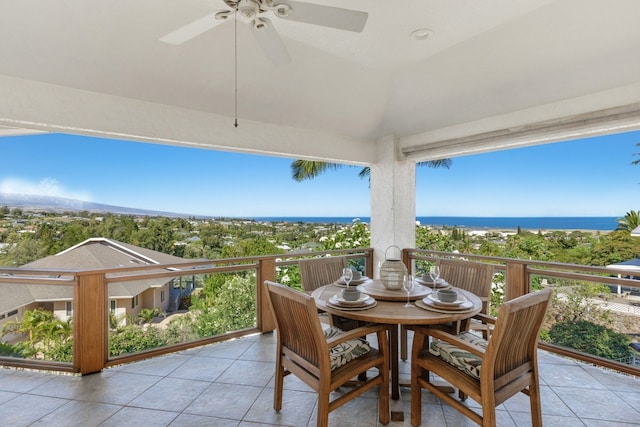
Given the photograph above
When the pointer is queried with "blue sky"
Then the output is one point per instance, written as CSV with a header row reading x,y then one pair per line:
x,y
589,177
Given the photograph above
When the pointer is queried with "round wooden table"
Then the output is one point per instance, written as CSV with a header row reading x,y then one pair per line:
x,y
390,310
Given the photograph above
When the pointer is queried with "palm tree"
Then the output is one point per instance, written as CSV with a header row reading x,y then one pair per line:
x,y
33,323
306,169
146,315
630,221
636,162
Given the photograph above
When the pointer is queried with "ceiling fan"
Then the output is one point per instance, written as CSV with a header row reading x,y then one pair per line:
x,y
256,12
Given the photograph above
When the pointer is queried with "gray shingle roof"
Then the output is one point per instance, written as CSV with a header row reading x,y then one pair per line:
x,y
95,253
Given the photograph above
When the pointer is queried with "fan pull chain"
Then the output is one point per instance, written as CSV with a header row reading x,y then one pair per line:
x,y
235,123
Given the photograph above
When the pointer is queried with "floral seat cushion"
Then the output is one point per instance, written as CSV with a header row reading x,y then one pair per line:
x,y
346,351
461,359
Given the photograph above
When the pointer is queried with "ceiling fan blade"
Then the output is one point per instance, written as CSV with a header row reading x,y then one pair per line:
x,y
271,43
326,16
191,30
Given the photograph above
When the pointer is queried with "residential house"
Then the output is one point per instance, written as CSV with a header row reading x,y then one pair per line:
x,y
126,298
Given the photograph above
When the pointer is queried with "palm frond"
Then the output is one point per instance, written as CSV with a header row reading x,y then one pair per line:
x,y
630,221
306,169
442,163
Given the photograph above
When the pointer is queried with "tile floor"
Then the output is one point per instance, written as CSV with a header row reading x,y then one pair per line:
x,y
231,384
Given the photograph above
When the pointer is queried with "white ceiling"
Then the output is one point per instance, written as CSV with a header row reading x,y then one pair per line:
x,y
490,66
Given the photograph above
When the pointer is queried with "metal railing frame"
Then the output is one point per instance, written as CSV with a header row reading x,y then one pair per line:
x,y
518,274
91,313
91,303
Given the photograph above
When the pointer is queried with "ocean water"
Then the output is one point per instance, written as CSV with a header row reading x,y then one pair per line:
x,y
601,223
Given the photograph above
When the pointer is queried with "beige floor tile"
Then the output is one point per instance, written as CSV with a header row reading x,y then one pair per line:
x,y
230,384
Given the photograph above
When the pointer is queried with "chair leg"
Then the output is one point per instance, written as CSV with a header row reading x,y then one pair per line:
x,y
488,411
535,403
417,372
416,398
323,410
279,384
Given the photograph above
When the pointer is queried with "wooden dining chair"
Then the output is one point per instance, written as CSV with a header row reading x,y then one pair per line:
x,y
325,360
474,277
488,371
316,272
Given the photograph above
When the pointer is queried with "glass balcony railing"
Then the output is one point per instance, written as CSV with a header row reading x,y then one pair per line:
x,y
125,314
102,318
594,315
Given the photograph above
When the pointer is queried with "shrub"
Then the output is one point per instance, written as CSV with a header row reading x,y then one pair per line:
x,y
133,338
590,338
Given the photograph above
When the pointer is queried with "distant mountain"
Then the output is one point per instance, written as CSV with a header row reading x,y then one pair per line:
x,y
61,204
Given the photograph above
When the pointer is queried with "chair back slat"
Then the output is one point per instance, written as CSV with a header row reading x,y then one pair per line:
x,y
514,341
316,272
474,277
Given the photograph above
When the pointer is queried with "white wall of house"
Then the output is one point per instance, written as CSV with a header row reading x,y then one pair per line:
x,y
152,297
15,315
156,297
11,315
60,310
120,309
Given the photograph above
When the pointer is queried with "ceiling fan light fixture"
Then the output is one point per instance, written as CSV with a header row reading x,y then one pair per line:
x,y
282,10
259,24
248,9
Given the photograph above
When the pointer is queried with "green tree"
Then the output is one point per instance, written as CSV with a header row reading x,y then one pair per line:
x,y
250,247
157,235
527,245
49,338
33,324
26,250
434,240
118,227
74,233
305,169
614,247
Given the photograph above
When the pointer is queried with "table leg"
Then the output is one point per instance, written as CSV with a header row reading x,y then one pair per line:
x,y
393,362
404,334
397,413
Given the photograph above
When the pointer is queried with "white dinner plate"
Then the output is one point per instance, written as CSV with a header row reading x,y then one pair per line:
x,y
436,301
465,305
363,300
441,283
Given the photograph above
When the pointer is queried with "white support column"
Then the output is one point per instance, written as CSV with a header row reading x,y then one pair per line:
x,y
393,200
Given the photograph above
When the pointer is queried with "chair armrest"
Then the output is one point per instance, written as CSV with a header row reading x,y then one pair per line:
x,y
357,333
485,318
452,339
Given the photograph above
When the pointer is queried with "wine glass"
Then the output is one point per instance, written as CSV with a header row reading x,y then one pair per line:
x,y
434,273
347,275
407,284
